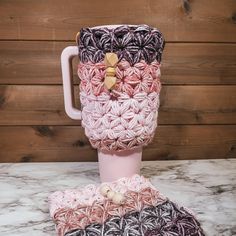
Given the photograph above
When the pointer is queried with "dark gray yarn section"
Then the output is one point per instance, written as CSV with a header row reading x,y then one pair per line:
x,y
133,43
165,219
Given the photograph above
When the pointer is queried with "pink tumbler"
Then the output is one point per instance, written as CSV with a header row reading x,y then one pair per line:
x,y
119,71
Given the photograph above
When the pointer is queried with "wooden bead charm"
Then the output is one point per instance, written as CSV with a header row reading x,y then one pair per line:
x,y
118,198
110,71
110,194
104,190
110,82
111,61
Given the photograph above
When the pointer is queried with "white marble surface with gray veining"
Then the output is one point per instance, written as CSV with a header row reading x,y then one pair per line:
x,y
208,187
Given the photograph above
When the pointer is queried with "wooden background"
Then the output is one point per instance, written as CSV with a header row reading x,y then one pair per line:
x,y
198,101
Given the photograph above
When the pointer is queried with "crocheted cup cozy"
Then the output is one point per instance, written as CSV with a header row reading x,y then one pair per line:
x,y
124,117
144,211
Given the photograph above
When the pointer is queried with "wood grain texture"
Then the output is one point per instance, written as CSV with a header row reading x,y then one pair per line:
x,y
43,105
68,143
38,62
201,20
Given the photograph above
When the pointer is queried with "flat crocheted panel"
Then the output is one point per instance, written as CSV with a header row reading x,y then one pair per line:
x,y
144,211
67,219
164,219
86,196
126,116
132,43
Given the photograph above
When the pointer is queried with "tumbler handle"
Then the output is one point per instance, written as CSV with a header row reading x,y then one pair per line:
x,y
66,66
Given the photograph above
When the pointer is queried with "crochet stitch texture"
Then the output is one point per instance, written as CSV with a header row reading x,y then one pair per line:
x,y
86,196
165,219
133,43
145,211
126,116
80,217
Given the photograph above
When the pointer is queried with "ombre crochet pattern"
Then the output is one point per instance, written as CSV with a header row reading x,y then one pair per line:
x,y
144,211
67,219
165,219
86,196
132,43
125,117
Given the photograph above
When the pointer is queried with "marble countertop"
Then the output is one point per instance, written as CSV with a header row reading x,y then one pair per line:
x,y
208,187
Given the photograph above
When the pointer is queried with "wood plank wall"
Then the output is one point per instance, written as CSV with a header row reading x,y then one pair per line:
x,y
197,118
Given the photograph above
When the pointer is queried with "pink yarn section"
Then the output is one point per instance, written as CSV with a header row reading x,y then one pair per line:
x,y
67,219
89,194
77,208
126,116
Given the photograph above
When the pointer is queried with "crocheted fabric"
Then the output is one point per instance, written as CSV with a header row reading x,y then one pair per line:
x,y
80,217
131,80
86,196
144,211
165,219
126,116
133,43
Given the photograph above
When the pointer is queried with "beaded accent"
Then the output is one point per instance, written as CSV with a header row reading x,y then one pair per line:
x,y
67,219
89,194
131,80
145,211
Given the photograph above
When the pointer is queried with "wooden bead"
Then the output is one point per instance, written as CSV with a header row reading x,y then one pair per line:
x,y
110,71
118,198
110,194
104,190
110,82
111,59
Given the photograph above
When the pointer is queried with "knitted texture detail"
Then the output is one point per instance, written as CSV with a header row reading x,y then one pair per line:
x,y
165,219
131,80
132,43
86,196
144,211
125,117
67,219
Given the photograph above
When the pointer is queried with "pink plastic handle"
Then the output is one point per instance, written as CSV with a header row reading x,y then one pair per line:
x,y
66,58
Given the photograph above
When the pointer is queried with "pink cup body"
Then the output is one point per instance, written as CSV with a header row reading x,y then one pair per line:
x,y
114,165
